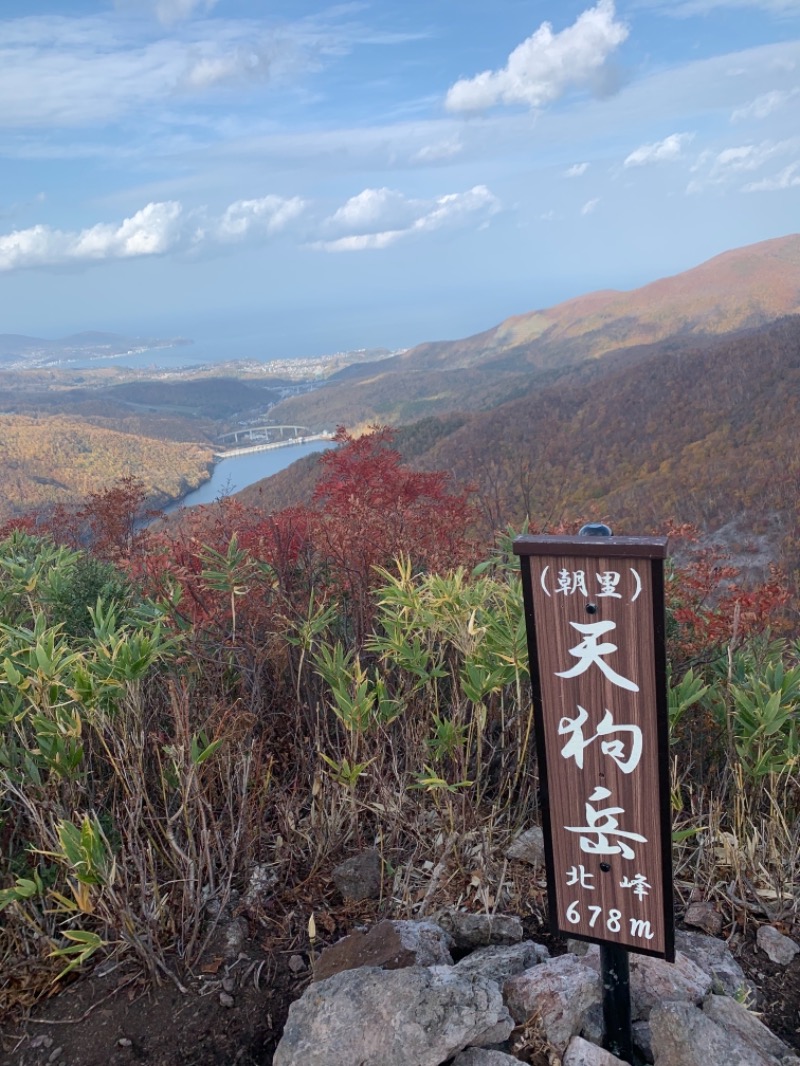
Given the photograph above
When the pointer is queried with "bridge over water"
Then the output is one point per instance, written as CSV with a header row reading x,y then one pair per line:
x,y
266,434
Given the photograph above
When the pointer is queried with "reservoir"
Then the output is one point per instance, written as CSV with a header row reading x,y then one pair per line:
x,y
234,474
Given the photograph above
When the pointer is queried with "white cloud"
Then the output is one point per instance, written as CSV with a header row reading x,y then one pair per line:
x,y
267,215
590,205
665,151
73,71
685,8
78,72
170,11
434,153
788,178
156,229
764,105
546,65
727,167
151,231
376,218
576,170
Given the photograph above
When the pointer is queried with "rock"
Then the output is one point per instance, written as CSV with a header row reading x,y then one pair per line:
x,y
297,964
704,916
498,962
390,945
234,938
263,877
714,958
478,930
779,948
578,947
685,1036
379,1017
594,1025
226,999
736,1018
474,1056
582,1053
361,876
643,1040
560,993
528,847
655,981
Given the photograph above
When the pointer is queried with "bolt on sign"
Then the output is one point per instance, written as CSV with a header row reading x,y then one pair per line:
x,y
594,609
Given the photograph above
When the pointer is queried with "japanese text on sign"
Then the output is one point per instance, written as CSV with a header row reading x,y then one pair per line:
x,y
592,615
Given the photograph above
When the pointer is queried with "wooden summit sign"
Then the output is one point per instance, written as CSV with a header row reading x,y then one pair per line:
x,y
594,610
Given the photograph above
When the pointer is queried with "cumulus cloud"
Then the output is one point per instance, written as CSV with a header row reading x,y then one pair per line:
x,y
377,218
764,105
576,170
546,65
268,215
156,229
664,151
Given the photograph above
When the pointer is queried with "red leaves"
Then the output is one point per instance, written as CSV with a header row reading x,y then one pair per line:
x,y
368,509
708,606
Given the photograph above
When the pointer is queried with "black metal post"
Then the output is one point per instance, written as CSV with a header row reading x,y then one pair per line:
x,y
614,960
615,972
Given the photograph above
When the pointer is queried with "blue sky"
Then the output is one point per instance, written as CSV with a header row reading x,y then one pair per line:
x,y
329,176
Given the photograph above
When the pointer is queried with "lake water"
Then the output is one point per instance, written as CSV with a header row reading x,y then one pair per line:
x,y
232,475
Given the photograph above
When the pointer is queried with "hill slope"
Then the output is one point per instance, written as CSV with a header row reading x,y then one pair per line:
x,y
741,289
60,460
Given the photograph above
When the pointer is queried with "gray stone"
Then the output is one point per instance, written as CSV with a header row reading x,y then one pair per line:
x,y
498,962
583,1053
714,958
736,1018
578,947
685,1036
379,1017
391,945
594,1025
474,1056
655,981
361,876
528,847
559,993
643,1040
479,930
780,949
704,916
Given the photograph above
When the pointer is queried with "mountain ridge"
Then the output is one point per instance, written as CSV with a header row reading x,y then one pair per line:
x,y
738,289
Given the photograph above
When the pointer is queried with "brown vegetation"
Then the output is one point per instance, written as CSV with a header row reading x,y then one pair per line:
x,y
45,461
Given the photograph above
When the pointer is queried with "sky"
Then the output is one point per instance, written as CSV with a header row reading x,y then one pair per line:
x,y
332,176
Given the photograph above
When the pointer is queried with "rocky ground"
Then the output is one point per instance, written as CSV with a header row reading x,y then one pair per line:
x,y
234,1007
235,1012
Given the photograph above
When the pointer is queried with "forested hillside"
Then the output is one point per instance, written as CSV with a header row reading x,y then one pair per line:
x,y
47,461
697,431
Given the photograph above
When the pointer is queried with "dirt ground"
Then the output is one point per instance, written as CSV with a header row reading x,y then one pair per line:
x,y
233,1012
